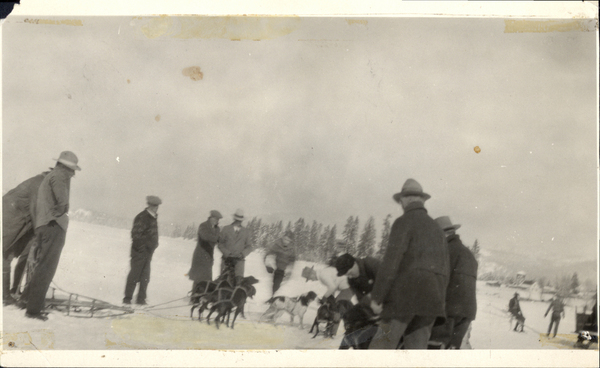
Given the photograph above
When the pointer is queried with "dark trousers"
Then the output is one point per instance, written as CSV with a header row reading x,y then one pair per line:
x,y
19,249
452,332
277,278
554,320
50,242
139,273
416,333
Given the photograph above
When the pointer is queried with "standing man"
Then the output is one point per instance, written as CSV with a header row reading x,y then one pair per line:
x,y
202,260
51,221
558,309
284,255
235,244
410,290
144,241
461,301
18,231
515,310
361,273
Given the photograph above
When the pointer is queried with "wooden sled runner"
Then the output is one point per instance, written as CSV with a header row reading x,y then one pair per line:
x,y
75,305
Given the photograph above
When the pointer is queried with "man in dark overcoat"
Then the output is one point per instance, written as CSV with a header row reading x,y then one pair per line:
x,y
461,300
18,230
202,260
361,273
51,222
514,307
144,241
410,289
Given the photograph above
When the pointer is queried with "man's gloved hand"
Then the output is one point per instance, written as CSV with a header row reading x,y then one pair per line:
x,y
270,269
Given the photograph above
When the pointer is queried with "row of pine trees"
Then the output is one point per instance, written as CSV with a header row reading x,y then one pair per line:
x,y
316,242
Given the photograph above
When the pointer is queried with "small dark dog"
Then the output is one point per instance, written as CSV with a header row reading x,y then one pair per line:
x,y
325,314
360,323
294,306
227,299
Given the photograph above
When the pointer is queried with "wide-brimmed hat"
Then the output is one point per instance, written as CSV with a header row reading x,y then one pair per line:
x,y
68,159
344,263
216,214
239,214
153,200
445,223
411,188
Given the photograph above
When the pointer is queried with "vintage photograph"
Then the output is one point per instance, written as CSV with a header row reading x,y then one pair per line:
x,y
296,182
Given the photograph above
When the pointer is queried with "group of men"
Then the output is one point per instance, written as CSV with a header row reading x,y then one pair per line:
x,y
425,288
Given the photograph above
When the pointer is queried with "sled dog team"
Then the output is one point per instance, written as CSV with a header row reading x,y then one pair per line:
x,y
422,290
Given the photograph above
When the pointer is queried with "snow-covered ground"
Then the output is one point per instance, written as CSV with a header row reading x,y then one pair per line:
x,y
95,263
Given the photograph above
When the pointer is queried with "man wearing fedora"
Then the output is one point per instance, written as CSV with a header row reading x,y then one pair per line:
x,y
410,289
202,260
461,300
144,241
235,244
51,222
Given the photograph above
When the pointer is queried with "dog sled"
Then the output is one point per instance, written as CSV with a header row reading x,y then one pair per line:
x,y
586,326
75,305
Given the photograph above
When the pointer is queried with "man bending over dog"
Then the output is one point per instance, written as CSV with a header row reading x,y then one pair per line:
x,y
361,273
360,320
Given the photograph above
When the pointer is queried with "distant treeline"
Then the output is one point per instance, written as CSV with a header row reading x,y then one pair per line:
x,y
314,241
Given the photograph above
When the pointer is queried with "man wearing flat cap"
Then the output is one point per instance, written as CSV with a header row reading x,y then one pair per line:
x,y
202,260
51,222
235,244
144,241
461,300
410,288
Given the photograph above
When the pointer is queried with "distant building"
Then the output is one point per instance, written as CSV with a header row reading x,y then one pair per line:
x,y
520,277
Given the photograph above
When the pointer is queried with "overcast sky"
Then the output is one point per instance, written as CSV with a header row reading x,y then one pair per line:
x,y
320,118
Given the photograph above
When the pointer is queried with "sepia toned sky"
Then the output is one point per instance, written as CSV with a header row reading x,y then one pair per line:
x,y
320,118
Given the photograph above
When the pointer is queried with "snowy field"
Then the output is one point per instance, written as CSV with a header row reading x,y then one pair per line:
x,y
95,263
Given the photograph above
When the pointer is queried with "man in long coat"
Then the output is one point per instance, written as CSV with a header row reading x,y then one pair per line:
x,y
461,300
144,241
51,222
234,244
413,277
18,230
202,260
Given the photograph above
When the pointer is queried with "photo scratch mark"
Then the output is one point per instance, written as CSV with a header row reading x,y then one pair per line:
x,y
64,22
543,26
